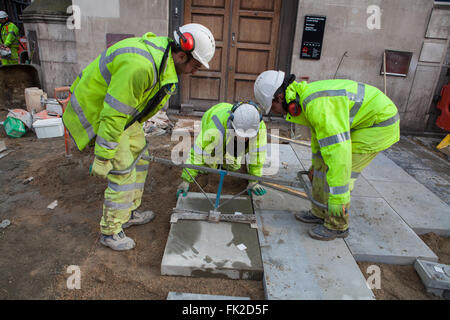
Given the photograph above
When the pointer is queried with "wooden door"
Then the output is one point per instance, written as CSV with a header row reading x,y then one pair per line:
x,y
246,34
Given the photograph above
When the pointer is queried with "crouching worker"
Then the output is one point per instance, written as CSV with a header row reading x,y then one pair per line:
x,y
228,133
350,124
111,99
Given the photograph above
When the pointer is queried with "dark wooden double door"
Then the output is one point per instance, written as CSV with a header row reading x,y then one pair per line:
x,y
246,34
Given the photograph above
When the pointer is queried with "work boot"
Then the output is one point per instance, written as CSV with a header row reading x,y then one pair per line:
x,y
137,218
306,216
117,242
320,232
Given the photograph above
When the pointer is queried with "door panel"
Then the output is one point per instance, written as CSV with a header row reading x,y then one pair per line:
x,y
254,35
207,87
246,34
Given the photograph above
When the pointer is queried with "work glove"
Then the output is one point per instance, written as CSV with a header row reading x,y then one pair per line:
x,y
256,188
100,168
336,210
183,188
311,174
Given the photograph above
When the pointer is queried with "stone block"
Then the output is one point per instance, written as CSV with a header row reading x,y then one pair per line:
x,y
378,234
420,208
297,267
204,249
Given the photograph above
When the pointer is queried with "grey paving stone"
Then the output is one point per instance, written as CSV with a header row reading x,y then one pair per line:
x,y
302,152
278,156
378,234
196,296
421,209
383,169
203,249
277,200
433,275
297,267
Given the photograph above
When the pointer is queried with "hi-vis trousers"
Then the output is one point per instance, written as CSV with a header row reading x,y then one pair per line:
x,y
320,191
124,192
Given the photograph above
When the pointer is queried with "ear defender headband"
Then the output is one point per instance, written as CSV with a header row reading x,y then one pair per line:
x,y
186,41
237,105
293,108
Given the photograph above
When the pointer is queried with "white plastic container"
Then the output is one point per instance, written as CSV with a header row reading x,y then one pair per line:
x,y
49,128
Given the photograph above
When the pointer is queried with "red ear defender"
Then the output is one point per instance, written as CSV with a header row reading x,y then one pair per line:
x,y
187,43
294,108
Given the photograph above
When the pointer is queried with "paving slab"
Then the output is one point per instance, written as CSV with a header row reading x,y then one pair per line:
x,y
302,152
297,267
420,208
277,200
204,249
196,296
384,169
278,157
378,234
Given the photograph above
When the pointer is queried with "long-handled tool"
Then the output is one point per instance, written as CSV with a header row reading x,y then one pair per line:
x,y
297,187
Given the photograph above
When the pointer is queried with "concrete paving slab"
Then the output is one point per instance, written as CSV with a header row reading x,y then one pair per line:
x,y
433,275
278,156
302,152
420,208
378,234
384,169
297,267
277,200
361,188
196,296
203,249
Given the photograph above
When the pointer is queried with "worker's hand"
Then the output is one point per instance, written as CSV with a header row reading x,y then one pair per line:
x,y
256,188
336,210
311,174
183,188
100,168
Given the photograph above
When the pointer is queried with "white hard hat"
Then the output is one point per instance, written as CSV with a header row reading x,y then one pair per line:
x,y
245,120
204,44
266,85
3,15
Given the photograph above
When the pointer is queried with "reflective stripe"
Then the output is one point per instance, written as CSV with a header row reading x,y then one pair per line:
x,y
317,155
260,149
218,124
106,144
117,206
200,151
338,190
319,174
104,60
325,93
125,187
119,106
142,167
358,101
103,68
355,175
155,46
341,137
388,122
81,117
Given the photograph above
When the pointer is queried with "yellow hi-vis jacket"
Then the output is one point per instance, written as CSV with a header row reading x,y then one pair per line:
x,y
115,88
345,117
216,144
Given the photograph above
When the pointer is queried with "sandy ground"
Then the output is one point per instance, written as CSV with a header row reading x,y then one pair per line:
x,y
41,243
